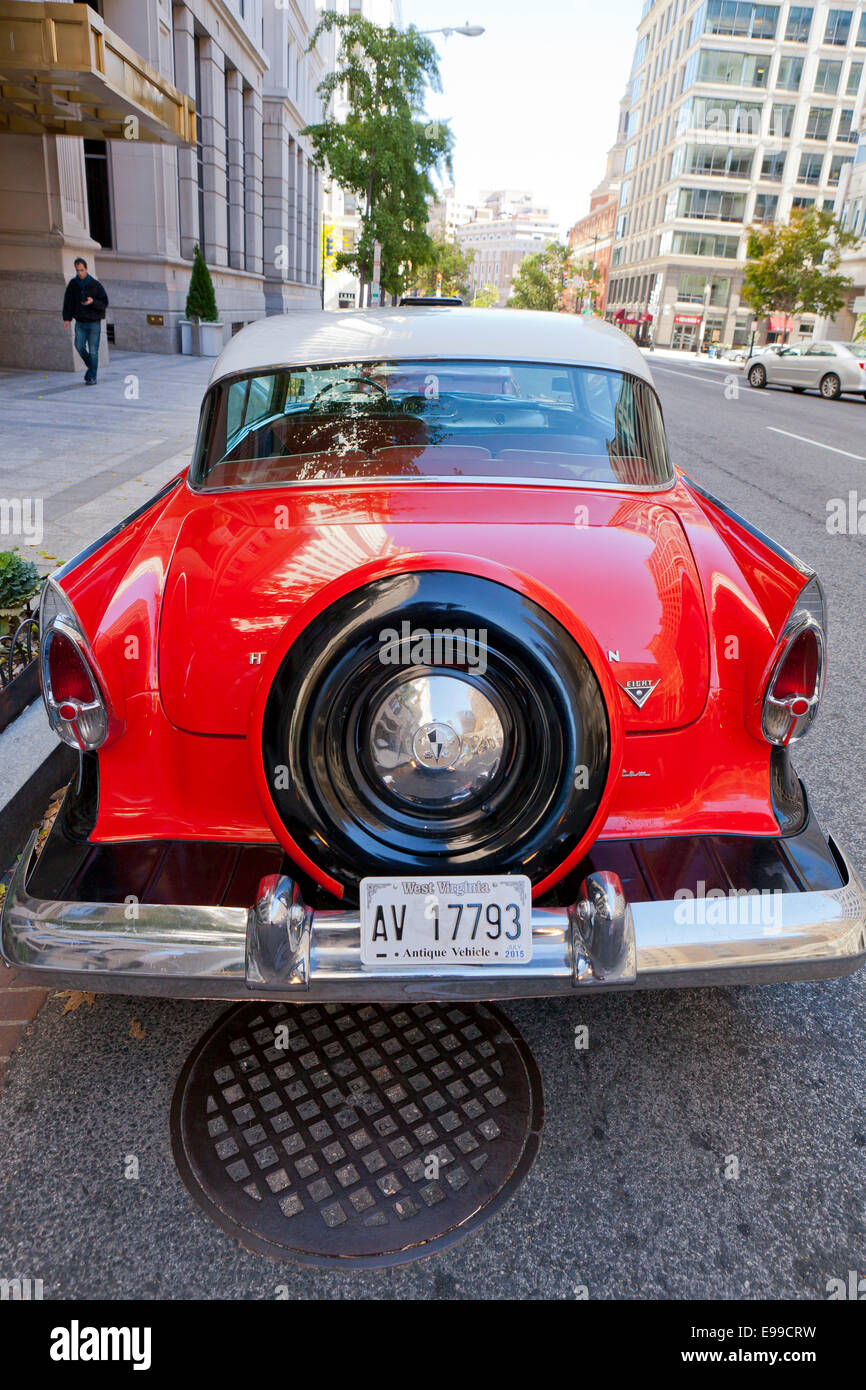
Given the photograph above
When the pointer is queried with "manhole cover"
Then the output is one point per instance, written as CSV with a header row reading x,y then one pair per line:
x,y
368,1135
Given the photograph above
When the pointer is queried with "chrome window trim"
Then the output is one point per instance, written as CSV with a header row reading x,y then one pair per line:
x,y
480,481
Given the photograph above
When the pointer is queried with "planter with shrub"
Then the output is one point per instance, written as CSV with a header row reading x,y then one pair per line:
x,y
201,332
19,680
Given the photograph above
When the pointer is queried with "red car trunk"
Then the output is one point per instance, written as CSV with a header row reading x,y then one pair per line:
x,y
244,565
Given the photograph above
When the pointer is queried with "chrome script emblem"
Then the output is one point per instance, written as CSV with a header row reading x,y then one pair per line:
x,y
437,745
639,691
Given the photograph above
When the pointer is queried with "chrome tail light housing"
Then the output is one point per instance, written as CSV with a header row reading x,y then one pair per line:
x,y
795,687
72,690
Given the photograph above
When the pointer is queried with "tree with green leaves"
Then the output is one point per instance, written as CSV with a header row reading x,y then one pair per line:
x,y
447,259
793,268
201,301
386,147
586,283
486,297
540,279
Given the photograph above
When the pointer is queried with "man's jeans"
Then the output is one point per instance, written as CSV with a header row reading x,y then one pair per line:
x,y
87,345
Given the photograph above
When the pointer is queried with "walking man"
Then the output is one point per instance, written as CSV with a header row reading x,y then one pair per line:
x,y
85,301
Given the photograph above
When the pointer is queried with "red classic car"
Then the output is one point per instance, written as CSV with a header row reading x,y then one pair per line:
x,y
432,678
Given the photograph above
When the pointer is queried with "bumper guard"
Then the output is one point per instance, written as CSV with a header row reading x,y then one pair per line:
x,y
280,948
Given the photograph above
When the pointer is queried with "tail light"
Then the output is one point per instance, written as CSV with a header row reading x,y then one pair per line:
x,y
796,683
71,689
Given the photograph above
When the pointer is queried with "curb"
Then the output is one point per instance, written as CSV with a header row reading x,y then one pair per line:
x,y
39,764
21,813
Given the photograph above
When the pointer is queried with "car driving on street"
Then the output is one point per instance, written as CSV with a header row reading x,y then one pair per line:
x,y
833,369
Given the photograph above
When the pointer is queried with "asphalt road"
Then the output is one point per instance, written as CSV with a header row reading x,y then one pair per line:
x,y
629,1196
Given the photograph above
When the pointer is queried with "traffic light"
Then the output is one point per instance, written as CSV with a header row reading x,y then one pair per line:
x,y
329,245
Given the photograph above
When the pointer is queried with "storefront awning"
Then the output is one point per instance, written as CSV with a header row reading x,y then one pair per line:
x,y
63,72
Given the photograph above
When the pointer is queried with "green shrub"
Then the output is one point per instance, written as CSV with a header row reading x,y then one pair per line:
x,y
19,580
201,300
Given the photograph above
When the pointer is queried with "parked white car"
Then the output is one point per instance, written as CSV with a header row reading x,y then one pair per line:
x,y
834,369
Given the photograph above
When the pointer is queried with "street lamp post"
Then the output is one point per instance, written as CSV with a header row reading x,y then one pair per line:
x,y
708,289
469,31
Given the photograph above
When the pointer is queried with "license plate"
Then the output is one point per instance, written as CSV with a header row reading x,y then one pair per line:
x,y
437,923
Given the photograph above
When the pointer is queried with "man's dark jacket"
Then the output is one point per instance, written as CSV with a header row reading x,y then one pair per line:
x,y
73,300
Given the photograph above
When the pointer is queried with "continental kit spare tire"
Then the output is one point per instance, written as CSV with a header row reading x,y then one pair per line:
x,y
435,722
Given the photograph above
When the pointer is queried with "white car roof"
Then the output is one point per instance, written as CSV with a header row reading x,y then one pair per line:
x,y
307,337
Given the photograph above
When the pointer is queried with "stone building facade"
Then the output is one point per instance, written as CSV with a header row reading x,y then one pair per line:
x,y
134,189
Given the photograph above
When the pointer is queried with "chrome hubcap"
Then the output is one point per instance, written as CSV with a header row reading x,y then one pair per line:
x,y
436,740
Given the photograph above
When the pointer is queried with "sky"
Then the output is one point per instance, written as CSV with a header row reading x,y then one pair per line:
x,y
533,102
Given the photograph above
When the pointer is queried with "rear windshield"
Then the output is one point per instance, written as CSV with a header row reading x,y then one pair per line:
x,y
431,419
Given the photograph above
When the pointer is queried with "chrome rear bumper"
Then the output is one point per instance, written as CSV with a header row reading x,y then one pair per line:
x,y
279,948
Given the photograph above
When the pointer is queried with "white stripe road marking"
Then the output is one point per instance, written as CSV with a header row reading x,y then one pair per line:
x,y
815,445
674,371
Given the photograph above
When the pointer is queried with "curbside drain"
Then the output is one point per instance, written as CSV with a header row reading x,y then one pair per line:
x,y
362,1136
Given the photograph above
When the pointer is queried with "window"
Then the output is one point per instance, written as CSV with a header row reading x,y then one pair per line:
x,y
721,161
199,150
810,168
724,115
733,69
802,203
704,244
799,24
781,121
766,205
740,20
855,72
764,20
691,289
98,196
711,204
790,73
846,131
828,76
838,27
836,168
818,123
773,167
591,426
860,41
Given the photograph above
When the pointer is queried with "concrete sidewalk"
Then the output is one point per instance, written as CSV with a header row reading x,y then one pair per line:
x,y
74,461
83,457
689,359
